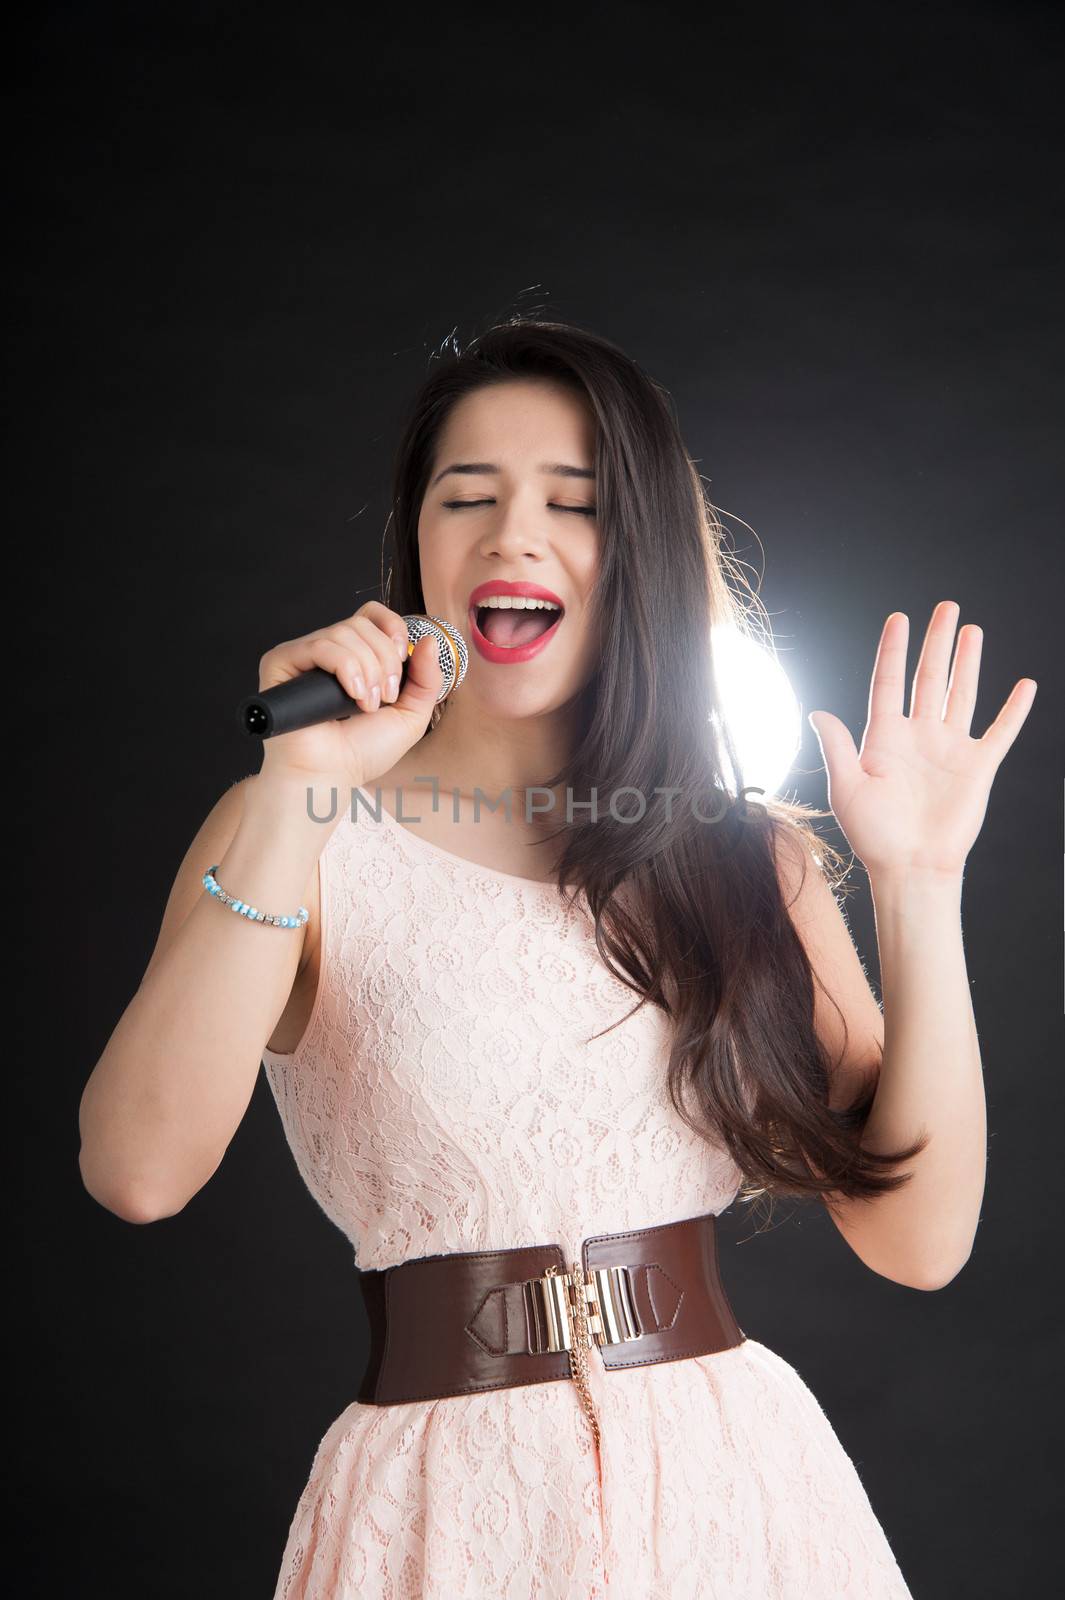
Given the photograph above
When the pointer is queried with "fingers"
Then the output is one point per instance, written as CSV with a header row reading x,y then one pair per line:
x,y
384,633
930,678
934,696
1010,720
362,659
389,622
378,639
345,653
889,670
383,660
964,678
365,652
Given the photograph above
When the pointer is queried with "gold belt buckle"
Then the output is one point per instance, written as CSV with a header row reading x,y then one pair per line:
x,y
604,1295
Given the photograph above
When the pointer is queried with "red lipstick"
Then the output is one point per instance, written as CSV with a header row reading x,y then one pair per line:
x,y
502,655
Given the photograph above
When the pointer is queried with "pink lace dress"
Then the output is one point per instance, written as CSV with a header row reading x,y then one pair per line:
x,y
444,1097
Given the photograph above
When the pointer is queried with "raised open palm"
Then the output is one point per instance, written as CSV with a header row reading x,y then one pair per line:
x,y
915,794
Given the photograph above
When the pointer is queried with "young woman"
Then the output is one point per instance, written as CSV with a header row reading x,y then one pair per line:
x,y
524,1056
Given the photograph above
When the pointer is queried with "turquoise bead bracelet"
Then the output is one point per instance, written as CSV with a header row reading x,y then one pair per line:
x,y
241,907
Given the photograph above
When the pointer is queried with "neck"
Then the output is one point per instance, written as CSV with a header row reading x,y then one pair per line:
x,y
470,750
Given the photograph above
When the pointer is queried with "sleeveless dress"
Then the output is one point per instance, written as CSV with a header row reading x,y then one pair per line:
x,y
444,1097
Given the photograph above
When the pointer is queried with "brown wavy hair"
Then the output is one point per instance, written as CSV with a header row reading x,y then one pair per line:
x,y
691,917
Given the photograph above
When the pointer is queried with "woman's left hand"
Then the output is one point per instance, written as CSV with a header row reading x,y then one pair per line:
x,y
914,797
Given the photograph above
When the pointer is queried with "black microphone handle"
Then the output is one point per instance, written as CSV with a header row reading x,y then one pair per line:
x,y
315,696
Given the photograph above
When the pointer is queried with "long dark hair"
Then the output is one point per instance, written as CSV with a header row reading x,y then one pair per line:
x,y
693,915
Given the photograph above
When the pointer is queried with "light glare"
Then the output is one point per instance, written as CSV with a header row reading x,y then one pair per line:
x,y
761,709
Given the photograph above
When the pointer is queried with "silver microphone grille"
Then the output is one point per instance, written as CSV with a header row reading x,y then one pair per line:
x,y
452,652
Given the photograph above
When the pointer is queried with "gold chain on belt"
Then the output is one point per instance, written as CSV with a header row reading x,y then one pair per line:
x,y
582,1341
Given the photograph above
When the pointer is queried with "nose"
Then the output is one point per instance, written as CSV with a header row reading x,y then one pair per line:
x,y
512,534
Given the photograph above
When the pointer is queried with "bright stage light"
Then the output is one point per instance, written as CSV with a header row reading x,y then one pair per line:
x,y
761,709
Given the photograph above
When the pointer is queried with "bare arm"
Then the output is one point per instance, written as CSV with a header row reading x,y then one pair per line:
x,y
931,1082
929,1079
169,1092
171,1088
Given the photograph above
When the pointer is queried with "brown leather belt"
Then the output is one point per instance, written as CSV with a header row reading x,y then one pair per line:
x,y
460,1323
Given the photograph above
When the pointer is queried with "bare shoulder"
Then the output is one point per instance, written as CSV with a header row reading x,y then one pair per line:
x,y
847,1014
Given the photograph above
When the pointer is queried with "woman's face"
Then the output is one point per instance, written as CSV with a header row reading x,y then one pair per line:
x,y
513,522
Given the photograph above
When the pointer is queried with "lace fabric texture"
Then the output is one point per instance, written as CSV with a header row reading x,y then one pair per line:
x,y
447,1095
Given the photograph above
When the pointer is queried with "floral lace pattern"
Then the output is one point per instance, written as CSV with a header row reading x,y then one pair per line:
x,y
447,1095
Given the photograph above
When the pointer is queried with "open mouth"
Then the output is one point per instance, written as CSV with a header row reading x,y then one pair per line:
x,y
509,628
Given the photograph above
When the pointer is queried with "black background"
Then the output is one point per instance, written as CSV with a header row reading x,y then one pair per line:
x,y
238,233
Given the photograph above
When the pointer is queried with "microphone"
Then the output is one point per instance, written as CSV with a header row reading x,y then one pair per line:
x,y
318,696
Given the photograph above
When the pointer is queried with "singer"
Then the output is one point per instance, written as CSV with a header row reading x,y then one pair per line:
x,y
529,1043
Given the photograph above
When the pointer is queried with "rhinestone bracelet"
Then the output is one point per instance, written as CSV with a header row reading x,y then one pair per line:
x,y
213,887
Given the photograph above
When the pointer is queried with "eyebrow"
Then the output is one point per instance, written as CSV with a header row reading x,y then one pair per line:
x,y
556,469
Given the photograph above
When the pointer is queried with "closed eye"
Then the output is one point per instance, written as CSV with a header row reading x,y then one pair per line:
x,y
459,505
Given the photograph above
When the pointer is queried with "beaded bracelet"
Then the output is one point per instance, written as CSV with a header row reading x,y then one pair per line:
x,y
213,887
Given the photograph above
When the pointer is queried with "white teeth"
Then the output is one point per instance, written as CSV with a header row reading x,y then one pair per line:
x,y
517,602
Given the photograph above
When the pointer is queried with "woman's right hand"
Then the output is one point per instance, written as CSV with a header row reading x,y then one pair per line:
x,y
363,646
